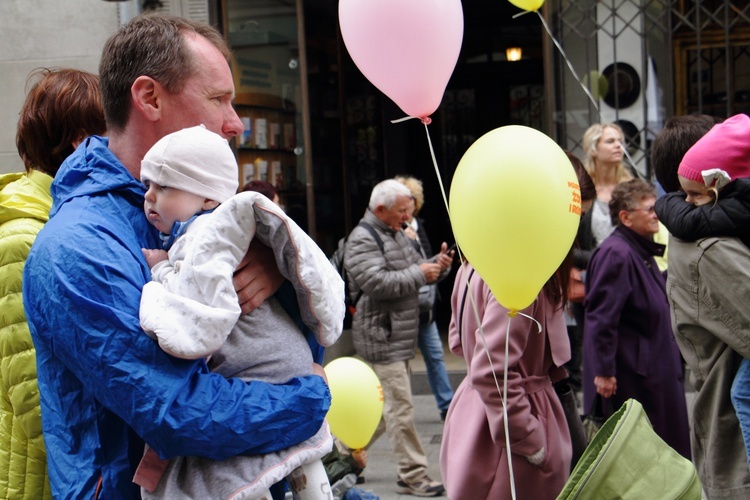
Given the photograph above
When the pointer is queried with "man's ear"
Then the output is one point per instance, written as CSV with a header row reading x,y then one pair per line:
x,y
147,97
209,204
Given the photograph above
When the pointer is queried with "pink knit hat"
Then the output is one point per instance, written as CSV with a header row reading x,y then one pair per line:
x,y
723,154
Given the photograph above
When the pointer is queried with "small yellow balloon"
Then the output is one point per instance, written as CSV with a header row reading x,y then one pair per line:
x,y
515,205
529,5
596,83
356,401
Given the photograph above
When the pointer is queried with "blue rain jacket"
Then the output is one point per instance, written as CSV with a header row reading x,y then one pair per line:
x,y
105,385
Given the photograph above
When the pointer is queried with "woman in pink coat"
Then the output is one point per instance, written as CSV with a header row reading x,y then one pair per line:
x,y
473,458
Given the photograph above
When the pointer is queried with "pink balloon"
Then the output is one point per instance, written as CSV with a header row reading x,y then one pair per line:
x,y
406,48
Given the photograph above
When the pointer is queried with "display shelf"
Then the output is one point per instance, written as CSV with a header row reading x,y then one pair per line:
x,y
266,149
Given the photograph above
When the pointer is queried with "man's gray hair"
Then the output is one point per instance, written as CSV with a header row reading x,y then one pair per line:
x,y
386,193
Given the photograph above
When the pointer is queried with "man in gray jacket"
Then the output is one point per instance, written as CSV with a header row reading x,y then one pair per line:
x,y
707,286
385,273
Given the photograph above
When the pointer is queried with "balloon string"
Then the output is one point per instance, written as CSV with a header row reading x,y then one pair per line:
x,y
399,120
565,57
437,172
578,79
505,408
502,392
538,324
442,188
426,121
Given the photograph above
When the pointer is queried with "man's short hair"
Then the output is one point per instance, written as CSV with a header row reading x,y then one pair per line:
x,y
149,45
386,193
670,145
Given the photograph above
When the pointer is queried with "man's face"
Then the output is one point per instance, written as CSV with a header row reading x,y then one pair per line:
x,y
207,96
395,216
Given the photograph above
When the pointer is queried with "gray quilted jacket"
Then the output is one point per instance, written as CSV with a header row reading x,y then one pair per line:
x,y
386,323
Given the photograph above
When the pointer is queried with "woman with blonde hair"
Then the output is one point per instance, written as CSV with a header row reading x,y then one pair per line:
x,y
603,153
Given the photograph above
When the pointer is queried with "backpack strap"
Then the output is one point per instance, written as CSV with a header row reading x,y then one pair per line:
x,y
379,242
374,234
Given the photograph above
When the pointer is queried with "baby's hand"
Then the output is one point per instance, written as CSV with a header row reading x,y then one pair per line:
x,y
360,456
153,257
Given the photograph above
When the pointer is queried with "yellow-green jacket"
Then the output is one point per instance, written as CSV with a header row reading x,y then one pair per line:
x,y
25,203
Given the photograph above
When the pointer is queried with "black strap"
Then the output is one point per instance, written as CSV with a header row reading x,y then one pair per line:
x,y
379,242
374,234
463,304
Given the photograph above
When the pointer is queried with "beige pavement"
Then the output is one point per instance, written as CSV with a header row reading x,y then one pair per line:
x,y
380,474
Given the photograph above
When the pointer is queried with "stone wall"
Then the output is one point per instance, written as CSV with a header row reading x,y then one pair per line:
x,y
45,33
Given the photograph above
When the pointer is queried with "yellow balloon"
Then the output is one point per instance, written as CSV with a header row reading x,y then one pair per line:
x,y
515,205
529,5
596,83
356,401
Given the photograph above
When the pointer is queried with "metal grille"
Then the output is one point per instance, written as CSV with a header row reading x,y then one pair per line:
x,y
646,60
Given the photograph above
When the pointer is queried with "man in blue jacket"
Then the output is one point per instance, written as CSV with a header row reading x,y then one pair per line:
x,y
105,385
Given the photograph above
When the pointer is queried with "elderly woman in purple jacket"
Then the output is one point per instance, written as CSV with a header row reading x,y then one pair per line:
x,y
629,347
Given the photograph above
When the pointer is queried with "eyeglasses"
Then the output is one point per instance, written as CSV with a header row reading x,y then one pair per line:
x,y
648,210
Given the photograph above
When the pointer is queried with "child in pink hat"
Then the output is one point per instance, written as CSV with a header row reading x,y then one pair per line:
x,y
715,178
718,158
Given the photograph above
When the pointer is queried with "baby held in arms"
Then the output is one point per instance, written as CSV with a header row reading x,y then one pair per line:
x,y
191,308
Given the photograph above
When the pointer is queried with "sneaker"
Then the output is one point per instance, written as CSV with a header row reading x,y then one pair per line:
x,y
423,487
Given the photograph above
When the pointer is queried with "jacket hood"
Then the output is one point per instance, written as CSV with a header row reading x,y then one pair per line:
x,y
25,196
103,172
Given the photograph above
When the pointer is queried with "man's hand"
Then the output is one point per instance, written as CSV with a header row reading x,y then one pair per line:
x,y
605,386
431,271
318,370
445,258
257,277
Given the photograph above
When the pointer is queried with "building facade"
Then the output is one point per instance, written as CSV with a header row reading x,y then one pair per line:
x,y
324,135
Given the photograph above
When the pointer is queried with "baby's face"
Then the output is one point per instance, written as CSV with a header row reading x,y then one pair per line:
x,y
697,193
164,206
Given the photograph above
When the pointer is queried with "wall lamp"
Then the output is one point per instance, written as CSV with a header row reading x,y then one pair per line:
x,y
513,54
